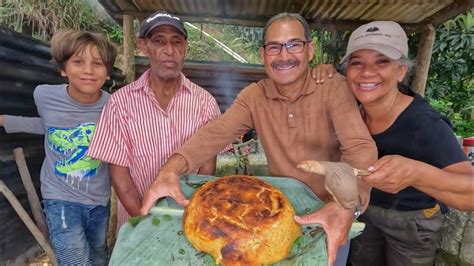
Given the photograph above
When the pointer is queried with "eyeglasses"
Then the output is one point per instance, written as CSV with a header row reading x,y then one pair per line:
x,y
292,47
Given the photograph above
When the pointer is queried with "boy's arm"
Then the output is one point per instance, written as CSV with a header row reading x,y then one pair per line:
x,y
22,124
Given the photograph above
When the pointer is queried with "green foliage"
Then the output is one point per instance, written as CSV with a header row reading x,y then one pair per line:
x,y
203,48
450,85
113,31
242,40
41,18
329,46
246,42
249,40
462,123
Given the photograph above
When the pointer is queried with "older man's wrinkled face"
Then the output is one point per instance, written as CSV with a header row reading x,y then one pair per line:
x,y
290,65
166,47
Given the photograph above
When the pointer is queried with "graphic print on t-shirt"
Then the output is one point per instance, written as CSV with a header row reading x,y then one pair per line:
x,y
72,145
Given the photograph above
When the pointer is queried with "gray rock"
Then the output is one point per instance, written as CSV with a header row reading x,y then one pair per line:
x,y
453,230
456,246
467,243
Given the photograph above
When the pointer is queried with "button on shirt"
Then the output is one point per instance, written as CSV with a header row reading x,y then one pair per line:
x,y
135,132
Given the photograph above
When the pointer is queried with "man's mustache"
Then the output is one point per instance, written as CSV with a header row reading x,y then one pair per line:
x,y
285,63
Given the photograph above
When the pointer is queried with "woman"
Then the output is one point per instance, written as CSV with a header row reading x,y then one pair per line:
x,y
420,166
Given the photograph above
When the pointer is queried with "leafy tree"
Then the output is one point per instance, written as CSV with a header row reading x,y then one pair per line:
x,y
330,46
41,18
450,85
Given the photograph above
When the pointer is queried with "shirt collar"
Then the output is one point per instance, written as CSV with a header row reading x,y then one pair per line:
x,y
271,91
143,83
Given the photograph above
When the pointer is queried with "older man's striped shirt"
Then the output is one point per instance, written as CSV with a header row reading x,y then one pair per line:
x,y
136,132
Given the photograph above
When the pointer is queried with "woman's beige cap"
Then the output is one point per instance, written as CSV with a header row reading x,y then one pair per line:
x,y
386,37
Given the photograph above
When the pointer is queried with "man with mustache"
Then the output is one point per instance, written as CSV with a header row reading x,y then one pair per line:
x,y
296,119
144,122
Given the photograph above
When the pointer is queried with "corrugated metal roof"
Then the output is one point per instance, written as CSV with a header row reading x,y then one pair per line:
x,y
343,14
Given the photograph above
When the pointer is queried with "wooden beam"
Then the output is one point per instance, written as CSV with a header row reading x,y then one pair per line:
x,y
423,58
344,25
112,230
128,48
25,218
30,189
451,11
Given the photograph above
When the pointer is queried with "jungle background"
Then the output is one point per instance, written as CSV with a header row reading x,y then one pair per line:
x,y
450,85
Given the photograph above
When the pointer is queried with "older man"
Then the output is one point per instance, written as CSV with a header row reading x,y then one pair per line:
x,y
295,118
144,122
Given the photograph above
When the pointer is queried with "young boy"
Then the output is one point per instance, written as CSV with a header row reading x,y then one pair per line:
x,y
75,187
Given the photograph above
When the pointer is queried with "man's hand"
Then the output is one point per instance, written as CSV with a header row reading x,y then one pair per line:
x,y
320,72
1,120
336,221
166,184
391,173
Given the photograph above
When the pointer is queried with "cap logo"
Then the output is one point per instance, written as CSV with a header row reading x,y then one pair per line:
x,y
372,29
161,15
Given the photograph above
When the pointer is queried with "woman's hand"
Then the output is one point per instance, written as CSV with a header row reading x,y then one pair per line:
x,y
321,71
392,173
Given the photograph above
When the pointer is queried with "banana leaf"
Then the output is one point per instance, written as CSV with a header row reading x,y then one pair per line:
x,y
158,239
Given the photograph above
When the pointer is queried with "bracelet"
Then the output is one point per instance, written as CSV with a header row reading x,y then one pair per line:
x,y
358,210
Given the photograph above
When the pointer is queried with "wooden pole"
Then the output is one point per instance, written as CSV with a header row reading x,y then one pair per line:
x,y
423,58
129,48
30,191
112,230
43,242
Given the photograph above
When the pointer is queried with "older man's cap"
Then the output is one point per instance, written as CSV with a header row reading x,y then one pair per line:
x,y
158,19
386,37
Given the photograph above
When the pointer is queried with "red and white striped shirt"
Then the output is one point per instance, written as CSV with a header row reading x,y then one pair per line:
x,y
135,132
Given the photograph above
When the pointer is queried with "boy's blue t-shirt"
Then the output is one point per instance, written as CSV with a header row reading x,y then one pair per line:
x,y
67,173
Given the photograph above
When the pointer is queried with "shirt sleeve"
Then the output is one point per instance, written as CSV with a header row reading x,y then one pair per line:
x,y
439,145
23,124
212,138
111,142
213,112
357,146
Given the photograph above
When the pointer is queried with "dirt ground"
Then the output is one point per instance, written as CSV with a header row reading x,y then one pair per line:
x,y
41,260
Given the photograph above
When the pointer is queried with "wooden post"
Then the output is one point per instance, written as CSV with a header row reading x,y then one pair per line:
x,y
33,199
112,230
423,58
25,218
129,48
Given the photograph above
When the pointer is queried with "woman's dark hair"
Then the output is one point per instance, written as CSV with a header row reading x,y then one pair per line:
x,y
404,86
